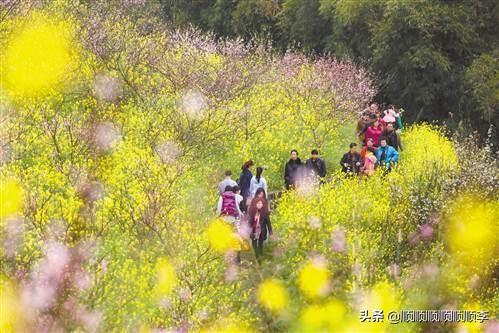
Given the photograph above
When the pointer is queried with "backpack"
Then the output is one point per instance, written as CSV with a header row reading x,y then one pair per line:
x,y
229,204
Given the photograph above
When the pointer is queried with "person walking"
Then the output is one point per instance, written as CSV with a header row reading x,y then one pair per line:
x,y
392,137
228,181
260,193
368,147
386,155
369,164
245,179
362,126
351,162
227,205
292,170
241,205
257,181
316,166
374,132
259,221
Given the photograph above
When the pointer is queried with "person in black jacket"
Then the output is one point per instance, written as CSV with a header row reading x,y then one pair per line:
x,y
292,170
392,137
259,223
316,166
245,179
351,162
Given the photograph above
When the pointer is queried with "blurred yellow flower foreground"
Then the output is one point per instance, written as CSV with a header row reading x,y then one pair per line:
x,y
38,57
273,295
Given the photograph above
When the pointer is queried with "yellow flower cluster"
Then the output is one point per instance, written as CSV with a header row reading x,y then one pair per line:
x,y
329,317
383,296
11,198
10,311
314,279
426,150
272,295
221,236
226,327
38,57
472,232
166,277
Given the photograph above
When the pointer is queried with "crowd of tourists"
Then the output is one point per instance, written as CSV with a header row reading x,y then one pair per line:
x,y
245,203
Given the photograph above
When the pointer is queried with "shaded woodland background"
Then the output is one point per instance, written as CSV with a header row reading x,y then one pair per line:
x,y
438,59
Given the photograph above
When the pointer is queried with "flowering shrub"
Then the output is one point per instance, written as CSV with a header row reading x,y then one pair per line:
x,y
426,149
478,170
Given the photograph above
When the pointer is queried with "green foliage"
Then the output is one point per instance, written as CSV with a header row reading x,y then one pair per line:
x,y
483,76
253,19
301,25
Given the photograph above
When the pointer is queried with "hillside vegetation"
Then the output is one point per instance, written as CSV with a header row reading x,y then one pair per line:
x,y
115,131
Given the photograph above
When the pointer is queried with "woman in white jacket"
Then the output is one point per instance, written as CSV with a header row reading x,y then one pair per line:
x,y
258,182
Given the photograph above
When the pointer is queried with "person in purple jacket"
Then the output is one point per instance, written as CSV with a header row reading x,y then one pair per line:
x,y
228,207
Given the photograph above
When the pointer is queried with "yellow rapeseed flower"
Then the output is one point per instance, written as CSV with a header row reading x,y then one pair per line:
x,y
472,231
273,295
383,296
10,316
328,317
471,327
11,197
221,236
166,277
226,327
314,279
38,56
426,148
312,317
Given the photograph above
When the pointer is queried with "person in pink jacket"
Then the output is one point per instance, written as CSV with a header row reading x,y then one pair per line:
x,y
374,132
369,164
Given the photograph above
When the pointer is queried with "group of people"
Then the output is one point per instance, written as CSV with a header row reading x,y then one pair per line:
x,y
245,204
296,171
379,139
379,134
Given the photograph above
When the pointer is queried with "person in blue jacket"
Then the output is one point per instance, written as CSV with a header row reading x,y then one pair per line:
x,y
386,155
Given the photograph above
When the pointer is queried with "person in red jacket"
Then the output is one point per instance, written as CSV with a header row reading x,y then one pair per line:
x,y
374,132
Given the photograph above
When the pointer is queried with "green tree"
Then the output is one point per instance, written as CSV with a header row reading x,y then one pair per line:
x,y
301,25
254,18
220,18
351,28
422,49
483,78
185,12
